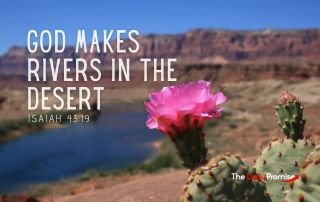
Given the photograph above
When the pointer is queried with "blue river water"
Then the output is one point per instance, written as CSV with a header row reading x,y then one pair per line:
x,y
115,140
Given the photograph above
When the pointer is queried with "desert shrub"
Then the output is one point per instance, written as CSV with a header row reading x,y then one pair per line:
x,y
232,125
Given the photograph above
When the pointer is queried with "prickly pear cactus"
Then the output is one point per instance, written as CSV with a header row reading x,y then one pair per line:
x,y
285,155
290,116
307,188
315,154
282,157
213,182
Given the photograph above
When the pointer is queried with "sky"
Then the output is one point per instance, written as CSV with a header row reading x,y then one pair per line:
x,y
147,16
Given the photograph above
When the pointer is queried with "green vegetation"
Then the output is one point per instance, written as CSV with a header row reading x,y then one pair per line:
x,y
8,127
232,124
213,182
166,159
215,122
211,123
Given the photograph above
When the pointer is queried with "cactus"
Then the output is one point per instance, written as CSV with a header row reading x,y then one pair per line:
x,y
180,113
214,182
307,188
282,157
290,116
191,147
285,155
315,154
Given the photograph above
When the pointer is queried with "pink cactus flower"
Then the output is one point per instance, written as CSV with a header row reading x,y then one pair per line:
x,y
183,107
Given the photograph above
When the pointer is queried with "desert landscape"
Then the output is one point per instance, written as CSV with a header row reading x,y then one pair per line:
x,y
252,68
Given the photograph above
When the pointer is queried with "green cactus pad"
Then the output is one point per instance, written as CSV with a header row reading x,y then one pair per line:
x,y
280,157
307,188
314,155
213,182
290,116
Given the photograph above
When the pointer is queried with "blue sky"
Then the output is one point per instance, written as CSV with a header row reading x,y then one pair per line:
x,y
148,16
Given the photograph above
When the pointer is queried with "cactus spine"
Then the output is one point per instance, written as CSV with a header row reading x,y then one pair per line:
x,y
290,116
285,155
307,188
213,182
314,155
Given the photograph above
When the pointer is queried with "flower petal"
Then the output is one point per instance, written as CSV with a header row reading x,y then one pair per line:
x,y
173,104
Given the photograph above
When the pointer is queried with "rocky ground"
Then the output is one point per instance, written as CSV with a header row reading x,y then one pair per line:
x,y
159,187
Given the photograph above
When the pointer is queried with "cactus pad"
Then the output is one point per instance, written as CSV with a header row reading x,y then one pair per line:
x,y
290,116
281,157
213,182
314,155
307,188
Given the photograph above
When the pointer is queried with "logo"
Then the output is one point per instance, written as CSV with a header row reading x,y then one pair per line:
x,y
265,178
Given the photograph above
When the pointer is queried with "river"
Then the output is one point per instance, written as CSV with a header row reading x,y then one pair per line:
x,y
118,138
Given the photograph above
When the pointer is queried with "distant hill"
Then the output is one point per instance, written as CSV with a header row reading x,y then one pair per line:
x,y
200,46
